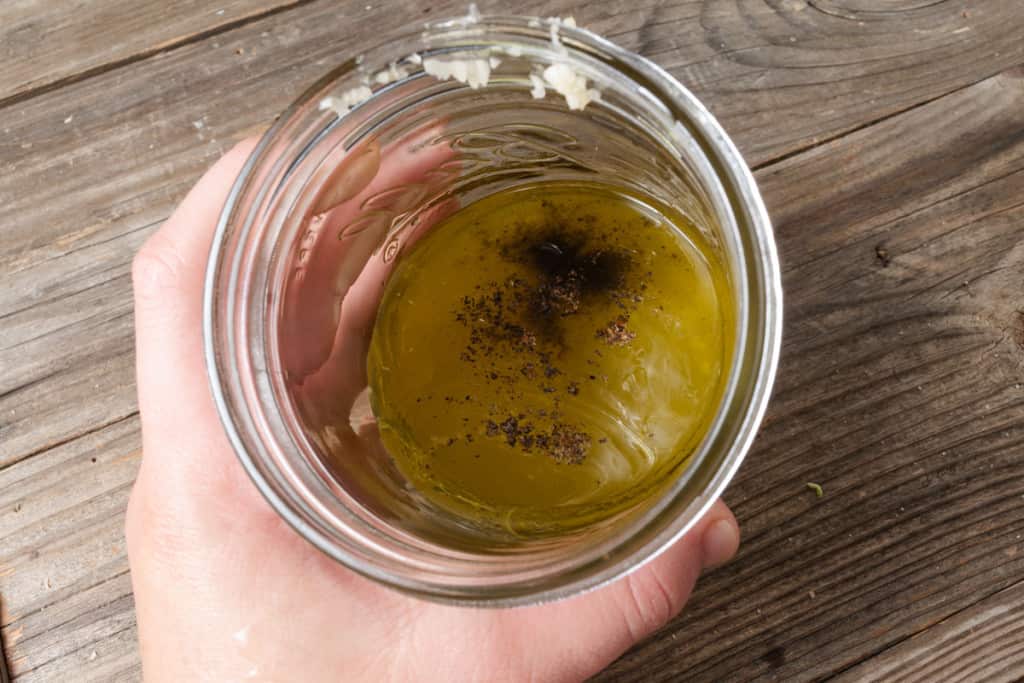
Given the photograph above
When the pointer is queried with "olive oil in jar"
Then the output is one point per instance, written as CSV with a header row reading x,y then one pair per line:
x,y
545,356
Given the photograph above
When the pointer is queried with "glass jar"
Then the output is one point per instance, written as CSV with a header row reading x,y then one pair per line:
x,y
364,162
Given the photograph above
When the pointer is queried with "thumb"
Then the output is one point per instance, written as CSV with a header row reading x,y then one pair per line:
x,y
585,634
649,597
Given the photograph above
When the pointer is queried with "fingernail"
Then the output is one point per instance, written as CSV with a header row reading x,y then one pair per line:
x,y
720,542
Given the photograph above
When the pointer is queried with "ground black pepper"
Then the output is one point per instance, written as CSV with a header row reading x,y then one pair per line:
x,y
616,333
523,315
521,324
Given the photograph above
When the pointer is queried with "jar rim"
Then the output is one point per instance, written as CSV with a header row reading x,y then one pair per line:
x,y
744,399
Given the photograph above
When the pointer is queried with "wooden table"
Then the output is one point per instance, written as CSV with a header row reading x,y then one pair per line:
x,y
888,139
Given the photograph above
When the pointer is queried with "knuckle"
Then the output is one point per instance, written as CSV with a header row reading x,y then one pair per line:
x,y
156,268
152,527
649,604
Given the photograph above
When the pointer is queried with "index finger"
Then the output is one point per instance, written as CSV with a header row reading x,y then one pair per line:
x,y
167,281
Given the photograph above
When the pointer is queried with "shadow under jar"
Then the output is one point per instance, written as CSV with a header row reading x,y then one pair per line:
x,y
354,178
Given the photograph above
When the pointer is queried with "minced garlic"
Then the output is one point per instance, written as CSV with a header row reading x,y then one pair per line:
x,y
348,99
570,85
474,72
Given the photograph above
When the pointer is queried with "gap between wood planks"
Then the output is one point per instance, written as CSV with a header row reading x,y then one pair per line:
x,y
95,609
772,161
69,439
291,5
52,627
957,488
763,165
953,615
144,54
883,649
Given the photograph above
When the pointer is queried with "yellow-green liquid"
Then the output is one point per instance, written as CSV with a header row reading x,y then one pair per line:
x,y
546,356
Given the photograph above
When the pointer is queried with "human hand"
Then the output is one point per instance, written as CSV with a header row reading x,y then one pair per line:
x,y
226,591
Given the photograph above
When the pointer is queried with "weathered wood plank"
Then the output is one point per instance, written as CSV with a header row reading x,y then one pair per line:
x,y
788,74
966,198
984,642
111,659
63,570
77,198
43,45
900,392
68,360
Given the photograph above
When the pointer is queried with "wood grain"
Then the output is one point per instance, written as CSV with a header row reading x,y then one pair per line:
x,y
783,75
77,198
900,392
63,571
984,642
46,45
879,132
